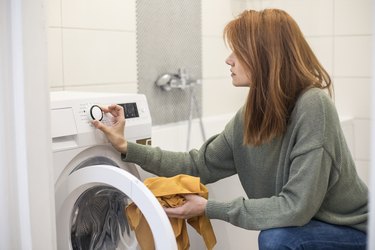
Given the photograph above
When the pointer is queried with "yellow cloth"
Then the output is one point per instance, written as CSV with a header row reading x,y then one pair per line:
x,y
169,192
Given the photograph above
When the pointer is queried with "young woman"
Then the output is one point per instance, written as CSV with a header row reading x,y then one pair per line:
x,y
285,144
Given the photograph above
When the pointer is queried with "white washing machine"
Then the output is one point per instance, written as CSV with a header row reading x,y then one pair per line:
x,y
92,184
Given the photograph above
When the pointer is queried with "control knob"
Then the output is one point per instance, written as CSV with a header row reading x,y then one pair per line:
x,y
95,113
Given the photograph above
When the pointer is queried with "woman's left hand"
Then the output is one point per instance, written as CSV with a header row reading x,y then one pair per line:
x,y
194,205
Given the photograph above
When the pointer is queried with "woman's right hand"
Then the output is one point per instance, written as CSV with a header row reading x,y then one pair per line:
x,y
115,132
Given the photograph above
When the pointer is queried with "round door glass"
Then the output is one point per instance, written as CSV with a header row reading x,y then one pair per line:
x,y
98,220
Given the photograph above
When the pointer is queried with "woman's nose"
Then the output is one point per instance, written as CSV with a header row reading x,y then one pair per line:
x,y
229,61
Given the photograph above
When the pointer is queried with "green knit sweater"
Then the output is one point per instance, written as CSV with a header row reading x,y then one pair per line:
x,y
307,173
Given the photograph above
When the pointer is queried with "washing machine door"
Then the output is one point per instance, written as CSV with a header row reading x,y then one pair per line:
x,y
90,204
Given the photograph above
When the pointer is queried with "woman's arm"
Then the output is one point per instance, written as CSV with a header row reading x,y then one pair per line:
x,y
299,200
212,162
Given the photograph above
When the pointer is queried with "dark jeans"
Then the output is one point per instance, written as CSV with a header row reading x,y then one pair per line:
x,y
315,235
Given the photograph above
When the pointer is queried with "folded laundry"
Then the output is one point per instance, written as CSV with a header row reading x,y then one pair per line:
x,y
169,192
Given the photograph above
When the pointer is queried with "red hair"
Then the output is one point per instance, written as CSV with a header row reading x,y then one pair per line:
x,y
280,64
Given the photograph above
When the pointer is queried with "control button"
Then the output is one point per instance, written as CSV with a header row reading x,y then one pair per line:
x,y
95,113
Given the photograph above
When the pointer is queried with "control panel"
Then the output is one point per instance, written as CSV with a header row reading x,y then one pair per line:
x,y
72,114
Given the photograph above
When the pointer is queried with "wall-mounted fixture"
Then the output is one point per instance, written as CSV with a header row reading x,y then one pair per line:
x,y
175,29
182,81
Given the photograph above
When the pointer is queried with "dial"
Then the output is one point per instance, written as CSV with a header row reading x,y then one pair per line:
x,y
95,113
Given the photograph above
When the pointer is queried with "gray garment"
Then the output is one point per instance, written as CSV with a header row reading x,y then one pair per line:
x,y
306,173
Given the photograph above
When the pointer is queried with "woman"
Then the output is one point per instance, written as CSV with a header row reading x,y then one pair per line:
x,y
285,144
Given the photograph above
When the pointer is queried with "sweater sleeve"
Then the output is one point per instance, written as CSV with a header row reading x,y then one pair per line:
x,y
213,161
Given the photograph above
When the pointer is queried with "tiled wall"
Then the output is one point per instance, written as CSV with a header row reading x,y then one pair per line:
x,y
91,45
219,95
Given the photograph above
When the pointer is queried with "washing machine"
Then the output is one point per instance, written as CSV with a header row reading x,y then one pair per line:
x,y
92,185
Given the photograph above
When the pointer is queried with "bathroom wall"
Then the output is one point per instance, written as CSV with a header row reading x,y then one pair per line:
x,y
92,47
164,48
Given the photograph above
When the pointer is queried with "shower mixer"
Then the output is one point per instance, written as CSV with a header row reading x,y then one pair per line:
x,y
182,81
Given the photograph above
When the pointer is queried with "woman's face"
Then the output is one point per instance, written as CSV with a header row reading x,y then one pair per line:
x,y
239,76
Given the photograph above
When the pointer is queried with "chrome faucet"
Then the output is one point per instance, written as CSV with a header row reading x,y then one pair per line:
x,y
181,80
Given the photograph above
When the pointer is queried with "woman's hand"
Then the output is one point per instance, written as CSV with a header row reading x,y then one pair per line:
x,y
194,205
115,132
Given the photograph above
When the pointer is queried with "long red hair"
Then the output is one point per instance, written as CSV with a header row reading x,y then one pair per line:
x,y
280,64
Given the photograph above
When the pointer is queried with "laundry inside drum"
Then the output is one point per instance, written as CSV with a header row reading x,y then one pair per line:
x,y
98,221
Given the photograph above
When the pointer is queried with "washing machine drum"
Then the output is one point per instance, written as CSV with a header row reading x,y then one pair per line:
x,y
98,221
90,207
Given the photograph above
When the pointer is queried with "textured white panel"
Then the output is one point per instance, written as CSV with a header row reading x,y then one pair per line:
x,y
215,52
221,97
169,37
353,17
55,63
352,56
99,14
353,103
93,57
314,17
323,49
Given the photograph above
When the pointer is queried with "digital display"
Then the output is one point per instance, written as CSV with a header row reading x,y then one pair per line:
x,y
130,110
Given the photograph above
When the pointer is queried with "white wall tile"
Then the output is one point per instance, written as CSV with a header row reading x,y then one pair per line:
x,y
93,57
53,13
363,170
106,88
352,56
215,15
238,6
56,89
221,97
255,4
347,125
54,52
362,139
214,54
353,17
323,49
353,103
99,14
314,17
